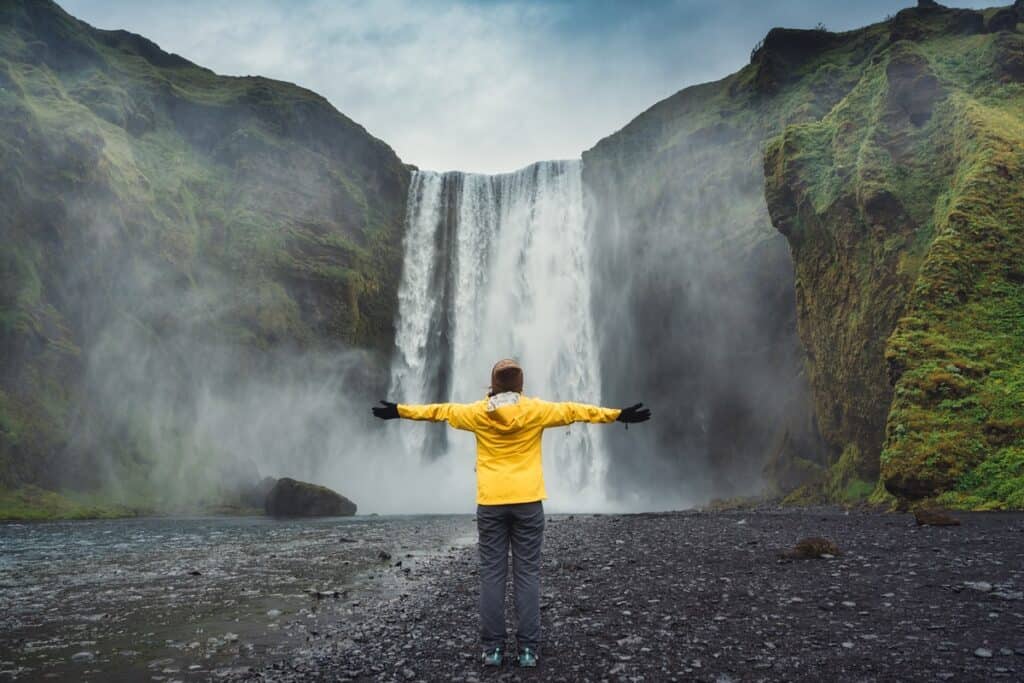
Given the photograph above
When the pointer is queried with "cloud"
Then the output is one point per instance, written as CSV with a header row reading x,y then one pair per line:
x,y
483,86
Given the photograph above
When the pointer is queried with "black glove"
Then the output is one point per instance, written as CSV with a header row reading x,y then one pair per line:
x,y
386,411
632,414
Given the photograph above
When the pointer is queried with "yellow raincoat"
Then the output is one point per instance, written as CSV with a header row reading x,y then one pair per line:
x,y
508,430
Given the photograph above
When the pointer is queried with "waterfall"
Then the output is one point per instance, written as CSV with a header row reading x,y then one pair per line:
x,y
496,266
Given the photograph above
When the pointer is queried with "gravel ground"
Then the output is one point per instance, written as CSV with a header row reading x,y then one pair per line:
x,y
705,597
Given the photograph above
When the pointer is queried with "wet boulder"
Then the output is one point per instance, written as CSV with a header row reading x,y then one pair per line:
x,y
254,494
812,548
292,498
927,517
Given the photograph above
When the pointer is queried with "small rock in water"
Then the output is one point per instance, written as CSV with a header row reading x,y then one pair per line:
x,y
983,652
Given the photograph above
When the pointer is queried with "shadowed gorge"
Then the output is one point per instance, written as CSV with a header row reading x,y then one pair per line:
x,y
810,269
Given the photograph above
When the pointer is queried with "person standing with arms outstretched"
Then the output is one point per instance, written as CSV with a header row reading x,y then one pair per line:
x,y
510,487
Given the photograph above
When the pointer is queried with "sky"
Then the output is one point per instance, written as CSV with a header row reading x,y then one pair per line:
x,y
479,85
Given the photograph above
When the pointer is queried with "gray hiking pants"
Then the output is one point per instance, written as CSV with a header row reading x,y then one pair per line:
x,y
520,525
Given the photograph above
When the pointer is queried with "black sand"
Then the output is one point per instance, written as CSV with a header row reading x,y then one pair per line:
x,y
705,597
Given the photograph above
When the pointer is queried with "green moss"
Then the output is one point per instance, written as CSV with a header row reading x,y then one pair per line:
x,y
959,350
31,503
997,483
903,210
843,482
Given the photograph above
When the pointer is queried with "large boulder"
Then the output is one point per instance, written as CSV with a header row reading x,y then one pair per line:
x,y
291,498
254,493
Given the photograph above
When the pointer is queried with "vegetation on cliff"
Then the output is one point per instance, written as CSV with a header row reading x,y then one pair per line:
x,y
147,197
904,209
888,158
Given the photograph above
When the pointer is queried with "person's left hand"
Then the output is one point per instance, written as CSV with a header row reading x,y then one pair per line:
x,y
386,410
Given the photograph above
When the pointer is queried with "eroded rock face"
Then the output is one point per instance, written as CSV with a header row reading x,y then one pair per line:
x,y
1003,20
293,498
904,221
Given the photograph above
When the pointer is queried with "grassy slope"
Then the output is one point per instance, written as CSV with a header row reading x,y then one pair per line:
x,y
141,188
903,207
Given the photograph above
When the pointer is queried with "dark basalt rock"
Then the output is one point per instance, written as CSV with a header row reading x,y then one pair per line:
x,y
1003,20
292,498
908,24
783,51
1009,55
255,495
913,88
925,517
812,548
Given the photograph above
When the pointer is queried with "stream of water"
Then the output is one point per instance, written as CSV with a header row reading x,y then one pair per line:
x,y
186,599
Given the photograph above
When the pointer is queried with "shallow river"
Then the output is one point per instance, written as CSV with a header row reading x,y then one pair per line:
x,y
178,599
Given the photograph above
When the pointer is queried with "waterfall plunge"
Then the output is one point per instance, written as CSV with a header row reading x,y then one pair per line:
x,y
495,267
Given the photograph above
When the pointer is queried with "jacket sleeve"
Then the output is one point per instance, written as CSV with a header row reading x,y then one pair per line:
x,y
561,414
458,415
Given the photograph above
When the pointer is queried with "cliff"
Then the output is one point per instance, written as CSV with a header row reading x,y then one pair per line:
x,y
888,158
904,208
145,197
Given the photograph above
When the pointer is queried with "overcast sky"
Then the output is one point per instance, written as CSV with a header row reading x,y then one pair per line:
x,y
484,85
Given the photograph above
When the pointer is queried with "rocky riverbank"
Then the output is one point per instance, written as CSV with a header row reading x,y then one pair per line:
x,y
707,597
175,599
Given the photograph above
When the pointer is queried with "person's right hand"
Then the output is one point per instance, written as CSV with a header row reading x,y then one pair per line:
x,y
634,413
386,410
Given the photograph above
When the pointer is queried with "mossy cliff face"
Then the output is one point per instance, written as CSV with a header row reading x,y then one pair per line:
x,y
903,209
145,194
695,303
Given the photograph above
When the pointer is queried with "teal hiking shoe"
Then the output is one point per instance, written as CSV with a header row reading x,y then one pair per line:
x,y
493,657
528,658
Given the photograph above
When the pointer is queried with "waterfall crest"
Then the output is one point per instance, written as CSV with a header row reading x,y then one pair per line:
x,y
497,266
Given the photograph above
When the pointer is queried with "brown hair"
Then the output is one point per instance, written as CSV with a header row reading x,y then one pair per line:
x,y
506,375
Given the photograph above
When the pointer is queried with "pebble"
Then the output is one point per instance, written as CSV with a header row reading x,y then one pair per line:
x,y
686,597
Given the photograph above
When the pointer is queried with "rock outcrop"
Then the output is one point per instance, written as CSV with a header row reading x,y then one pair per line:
x,y
904,209
292,498
883,157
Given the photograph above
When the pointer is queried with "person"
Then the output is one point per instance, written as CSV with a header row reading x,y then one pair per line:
x,y
510,487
